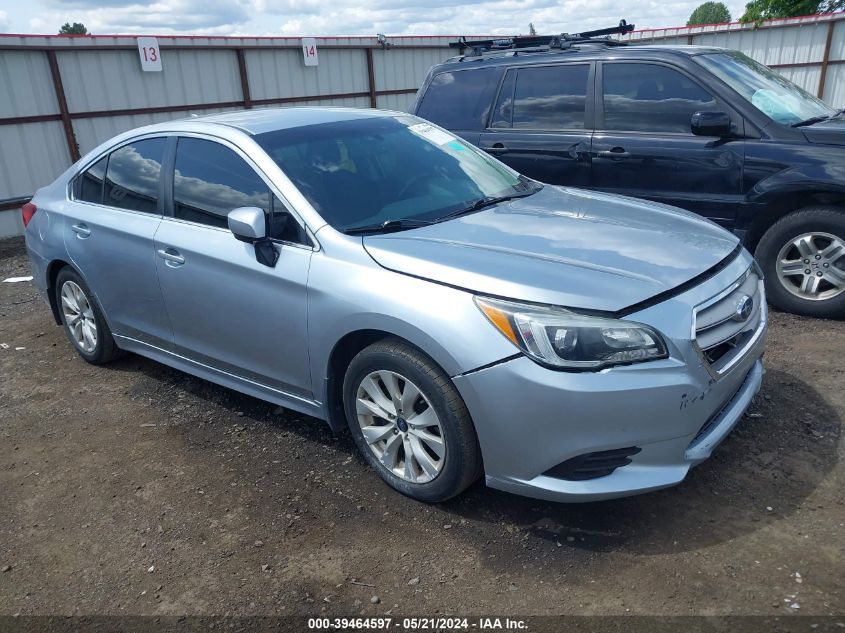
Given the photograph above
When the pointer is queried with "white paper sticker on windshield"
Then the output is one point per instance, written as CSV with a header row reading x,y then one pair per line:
x,y
438,137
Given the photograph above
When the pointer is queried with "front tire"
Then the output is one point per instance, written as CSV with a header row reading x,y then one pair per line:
x,y
83,320
409,422
803,259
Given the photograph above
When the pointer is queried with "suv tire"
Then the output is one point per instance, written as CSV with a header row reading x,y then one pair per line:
x,y
803,259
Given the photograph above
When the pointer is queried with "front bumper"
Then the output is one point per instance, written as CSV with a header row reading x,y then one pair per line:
x,y
530,419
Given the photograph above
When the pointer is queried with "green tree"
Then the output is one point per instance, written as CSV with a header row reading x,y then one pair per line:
x,y
77,28
710,13
758,10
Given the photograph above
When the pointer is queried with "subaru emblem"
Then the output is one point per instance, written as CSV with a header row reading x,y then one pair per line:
x,y
744,308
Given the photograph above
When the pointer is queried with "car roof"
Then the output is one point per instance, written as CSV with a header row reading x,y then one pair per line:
x,y
263,120
584,51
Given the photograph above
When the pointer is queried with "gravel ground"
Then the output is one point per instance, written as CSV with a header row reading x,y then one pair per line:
x,y
135,489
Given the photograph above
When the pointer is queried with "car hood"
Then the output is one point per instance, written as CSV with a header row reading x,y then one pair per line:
x,y
563,247
827,132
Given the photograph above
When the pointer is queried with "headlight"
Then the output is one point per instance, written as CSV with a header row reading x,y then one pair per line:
x,y
558,338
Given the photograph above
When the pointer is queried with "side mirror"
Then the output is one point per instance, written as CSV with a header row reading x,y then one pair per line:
x,y
248,224
711,124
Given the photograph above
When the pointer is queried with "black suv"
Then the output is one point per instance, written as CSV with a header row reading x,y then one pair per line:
x,y
706,129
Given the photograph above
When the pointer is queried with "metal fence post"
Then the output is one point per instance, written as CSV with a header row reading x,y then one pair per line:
x,y
70,137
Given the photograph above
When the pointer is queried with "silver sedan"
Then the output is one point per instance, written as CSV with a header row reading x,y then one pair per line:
x,y
374,271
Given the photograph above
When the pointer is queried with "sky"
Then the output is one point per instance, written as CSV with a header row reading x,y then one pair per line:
x,y
341,17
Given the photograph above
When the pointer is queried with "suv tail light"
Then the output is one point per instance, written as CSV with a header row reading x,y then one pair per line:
x,y
27,211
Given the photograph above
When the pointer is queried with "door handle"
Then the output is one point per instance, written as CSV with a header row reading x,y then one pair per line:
x,y
615,153
497,149
82,231
172,257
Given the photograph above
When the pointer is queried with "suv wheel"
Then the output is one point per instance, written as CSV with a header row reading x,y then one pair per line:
x,y
803,258
83,320
409,422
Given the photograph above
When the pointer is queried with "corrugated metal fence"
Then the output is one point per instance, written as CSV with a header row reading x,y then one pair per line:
x,y
61,96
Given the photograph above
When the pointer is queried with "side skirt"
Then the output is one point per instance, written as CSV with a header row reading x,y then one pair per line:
x,y
225,379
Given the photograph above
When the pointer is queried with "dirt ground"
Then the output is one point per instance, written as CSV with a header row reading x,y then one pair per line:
x,y
135,489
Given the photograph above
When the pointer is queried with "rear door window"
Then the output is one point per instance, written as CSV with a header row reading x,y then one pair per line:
x,y
88,186
650,98
543,98
134,175
460,100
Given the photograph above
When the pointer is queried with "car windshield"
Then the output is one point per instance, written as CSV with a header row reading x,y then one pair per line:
x,y
372,170
769,92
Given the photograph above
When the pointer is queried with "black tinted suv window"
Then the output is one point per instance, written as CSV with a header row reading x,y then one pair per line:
x,y
460,100
548,97
88,186
210,180
134,171
650,98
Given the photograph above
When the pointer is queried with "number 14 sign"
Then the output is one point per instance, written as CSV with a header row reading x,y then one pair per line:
x,y
309,51
150,54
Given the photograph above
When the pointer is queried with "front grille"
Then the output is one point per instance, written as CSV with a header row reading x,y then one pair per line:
x,y
721,330
593,465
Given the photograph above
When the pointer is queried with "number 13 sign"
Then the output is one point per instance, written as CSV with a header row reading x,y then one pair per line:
x,y
150,54
309,51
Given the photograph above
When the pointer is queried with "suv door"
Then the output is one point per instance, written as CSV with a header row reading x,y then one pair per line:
x,y
643,145
114,212
541,123
228,311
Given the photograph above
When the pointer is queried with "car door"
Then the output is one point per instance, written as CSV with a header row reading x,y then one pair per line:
x,y
643,145
114,212
541,123
229,311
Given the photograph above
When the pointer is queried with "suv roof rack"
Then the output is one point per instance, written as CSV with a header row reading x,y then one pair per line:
x,y
541,43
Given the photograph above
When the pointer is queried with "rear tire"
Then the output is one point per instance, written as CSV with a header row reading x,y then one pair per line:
x,y
803,258
419,435
83,319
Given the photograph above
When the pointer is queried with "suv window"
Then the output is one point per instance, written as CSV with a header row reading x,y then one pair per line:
x,y
210,180
88,186
132,179
545,98
460,100
650,98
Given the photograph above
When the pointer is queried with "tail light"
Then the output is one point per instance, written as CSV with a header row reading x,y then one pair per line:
x,y
27,211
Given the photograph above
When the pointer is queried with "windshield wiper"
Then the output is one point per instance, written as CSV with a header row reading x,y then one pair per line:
x,y
477,205
814,119
388,226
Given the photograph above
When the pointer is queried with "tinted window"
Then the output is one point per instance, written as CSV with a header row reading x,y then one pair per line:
x,y
89,184
133,175
503,110
210,180
550,97
650,98
460,100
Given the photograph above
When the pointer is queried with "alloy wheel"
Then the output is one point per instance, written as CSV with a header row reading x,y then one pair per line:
x,y
400,426
812,266
79,317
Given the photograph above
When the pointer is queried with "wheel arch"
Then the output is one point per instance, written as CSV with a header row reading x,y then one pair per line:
x,y
53,270
346,348
780,204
